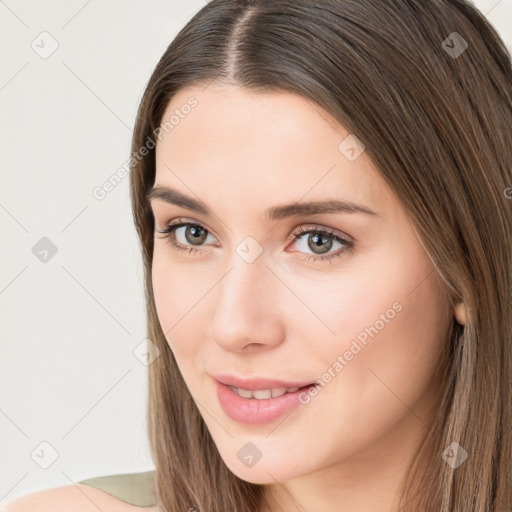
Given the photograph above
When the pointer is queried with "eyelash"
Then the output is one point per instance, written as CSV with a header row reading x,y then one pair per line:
x,y
171,227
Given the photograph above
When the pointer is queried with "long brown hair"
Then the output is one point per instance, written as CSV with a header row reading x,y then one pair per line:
x,y
426,85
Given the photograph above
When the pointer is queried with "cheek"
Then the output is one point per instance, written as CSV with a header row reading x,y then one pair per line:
x,y
177,298
390,332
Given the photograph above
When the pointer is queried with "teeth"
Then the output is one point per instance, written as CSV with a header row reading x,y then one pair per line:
x,y
262,394
244,393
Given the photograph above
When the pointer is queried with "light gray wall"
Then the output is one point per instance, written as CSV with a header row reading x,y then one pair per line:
x,y
70,324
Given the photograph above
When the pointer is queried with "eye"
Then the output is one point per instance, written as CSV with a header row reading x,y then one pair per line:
x,y
319,240
193,233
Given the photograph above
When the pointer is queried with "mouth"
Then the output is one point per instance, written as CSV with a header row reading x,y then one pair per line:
x,y
259,405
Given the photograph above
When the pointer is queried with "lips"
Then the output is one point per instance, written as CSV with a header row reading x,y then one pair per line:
x,y
253,411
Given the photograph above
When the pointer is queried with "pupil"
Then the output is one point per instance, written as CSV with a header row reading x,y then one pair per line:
x,y
195,230
317,241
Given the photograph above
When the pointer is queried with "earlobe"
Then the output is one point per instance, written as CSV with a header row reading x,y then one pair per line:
x,y
460,313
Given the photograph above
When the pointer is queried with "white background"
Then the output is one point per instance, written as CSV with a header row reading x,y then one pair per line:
x,y
68,327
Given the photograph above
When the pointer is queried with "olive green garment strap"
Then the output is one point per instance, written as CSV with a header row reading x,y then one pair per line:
x,y
133,488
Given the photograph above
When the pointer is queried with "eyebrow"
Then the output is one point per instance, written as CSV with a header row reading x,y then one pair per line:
x,y
172,196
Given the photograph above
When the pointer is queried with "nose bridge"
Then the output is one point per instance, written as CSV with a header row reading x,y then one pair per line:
x,y
244,312
247,275
242,289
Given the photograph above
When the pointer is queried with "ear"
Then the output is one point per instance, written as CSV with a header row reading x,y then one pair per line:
x,y
460,313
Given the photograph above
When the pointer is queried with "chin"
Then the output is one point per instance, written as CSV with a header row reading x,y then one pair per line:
x,y
264,471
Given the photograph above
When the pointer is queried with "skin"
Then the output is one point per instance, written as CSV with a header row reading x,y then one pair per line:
x,y
287,317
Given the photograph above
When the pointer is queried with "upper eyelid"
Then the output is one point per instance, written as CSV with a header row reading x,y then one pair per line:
x,y
330,231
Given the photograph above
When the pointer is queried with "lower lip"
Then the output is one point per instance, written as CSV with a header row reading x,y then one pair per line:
x,y
253,411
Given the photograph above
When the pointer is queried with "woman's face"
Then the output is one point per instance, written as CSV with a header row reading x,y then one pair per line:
x,y
368,324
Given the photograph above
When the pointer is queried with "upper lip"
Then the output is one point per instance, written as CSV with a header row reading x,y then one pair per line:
x,y
258,382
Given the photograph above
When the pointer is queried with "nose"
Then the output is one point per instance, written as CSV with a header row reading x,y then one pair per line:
x,y
246,314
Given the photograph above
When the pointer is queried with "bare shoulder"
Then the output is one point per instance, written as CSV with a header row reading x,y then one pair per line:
x,y
76,498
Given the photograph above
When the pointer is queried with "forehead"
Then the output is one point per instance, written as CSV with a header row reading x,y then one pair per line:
x,y
246,147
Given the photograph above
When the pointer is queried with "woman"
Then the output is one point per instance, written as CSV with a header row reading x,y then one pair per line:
x,y
322,192
269,101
